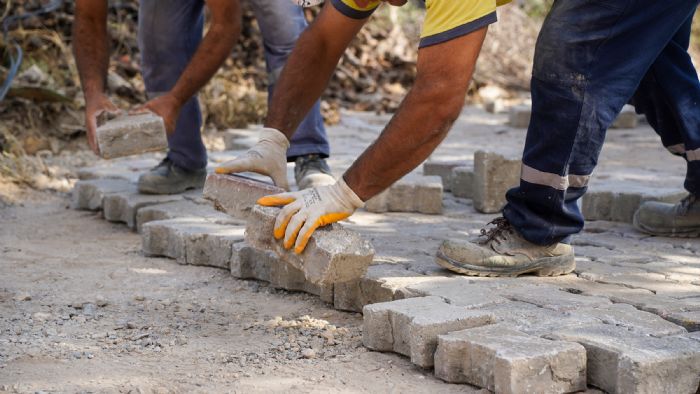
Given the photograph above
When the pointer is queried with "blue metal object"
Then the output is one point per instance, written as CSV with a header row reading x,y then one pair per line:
x,y
14,50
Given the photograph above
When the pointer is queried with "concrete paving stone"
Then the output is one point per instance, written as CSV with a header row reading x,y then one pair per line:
x,y
443,169
495,106
183,209
123,207
494,175
419,194
131,135
626,119
519,116
629,317
622,362
236,195
533,320
411,326
333,254
239,139
656,283
463,182
675,271
551,298
458,291
88,194
658,304
620,207
689,320
128,169
191,241
503,360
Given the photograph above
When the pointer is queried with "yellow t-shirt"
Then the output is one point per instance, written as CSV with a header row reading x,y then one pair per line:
x,y
444,19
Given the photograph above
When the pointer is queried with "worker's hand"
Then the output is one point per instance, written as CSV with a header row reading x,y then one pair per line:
x,y
95,106
165,106
267,157
309,209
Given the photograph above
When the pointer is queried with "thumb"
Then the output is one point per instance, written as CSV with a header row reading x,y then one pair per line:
x,y
280,178
242,164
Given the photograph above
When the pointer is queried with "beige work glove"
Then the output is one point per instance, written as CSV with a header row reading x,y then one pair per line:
x,y
309,209
267,157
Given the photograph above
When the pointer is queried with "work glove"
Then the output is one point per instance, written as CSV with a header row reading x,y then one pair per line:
x,y
309,209
267,157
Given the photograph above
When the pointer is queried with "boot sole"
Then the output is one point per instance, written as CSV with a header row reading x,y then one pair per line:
x,y
171,189
690,233
547,266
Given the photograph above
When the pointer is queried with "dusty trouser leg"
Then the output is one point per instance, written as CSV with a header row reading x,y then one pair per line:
x,y
589,60
281,23
169,34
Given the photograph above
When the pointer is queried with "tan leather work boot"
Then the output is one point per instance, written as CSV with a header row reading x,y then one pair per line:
x,y
503,252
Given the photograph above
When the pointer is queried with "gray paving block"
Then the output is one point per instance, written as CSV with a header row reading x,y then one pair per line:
x,y
631,318
128,169
519,116
236,195
443,169
411,326
626,119
463,182
458,291
183,209
658,304
419,194
554,299
493,176
191,241
88,194
507,361
333,254
622,362
620,207
131,135
123,206
690,320
381,283
537,321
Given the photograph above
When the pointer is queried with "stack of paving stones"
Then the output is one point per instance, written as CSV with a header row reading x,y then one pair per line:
x,y
627,320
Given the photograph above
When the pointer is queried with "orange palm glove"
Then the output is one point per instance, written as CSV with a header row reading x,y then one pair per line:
x,y
309,209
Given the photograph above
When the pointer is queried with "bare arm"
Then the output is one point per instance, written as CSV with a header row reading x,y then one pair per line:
x,y
424,118
210,55
310,67
90,45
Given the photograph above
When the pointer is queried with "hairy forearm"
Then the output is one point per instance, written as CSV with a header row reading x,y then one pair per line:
x,y
210,55
309,68
417,128
91,45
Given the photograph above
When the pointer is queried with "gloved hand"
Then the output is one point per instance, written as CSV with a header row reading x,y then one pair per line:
x,y
307,210
267,157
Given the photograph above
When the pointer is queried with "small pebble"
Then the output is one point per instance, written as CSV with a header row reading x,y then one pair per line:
x,y
308,353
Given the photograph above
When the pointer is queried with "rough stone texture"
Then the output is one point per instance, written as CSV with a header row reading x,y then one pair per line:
x,y
689,320
463,182
457,291
620,207
533,320
183,209
507,361
131,135
411,326
191,241
626,119
554,299
519,116
443,169
493,176
89,194
122,207
333,254
421,194
129,169
621,362
629,317
658,305
236,194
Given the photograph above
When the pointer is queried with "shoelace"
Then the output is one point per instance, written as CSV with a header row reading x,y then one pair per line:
x,y
501,227
687,203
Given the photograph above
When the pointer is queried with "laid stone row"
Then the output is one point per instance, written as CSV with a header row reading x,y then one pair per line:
x,y
421,194
486,183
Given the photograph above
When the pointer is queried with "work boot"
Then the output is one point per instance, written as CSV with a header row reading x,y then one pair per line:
x,y
503,252
168,178
312,171
670,220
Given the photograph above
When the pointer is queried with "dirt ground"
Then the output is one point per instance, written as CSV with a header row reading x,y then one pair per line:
x,y
82,310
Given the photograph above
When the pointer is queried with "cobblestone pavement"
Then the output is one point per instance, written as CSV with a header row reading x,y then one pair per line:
x,y
627,320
